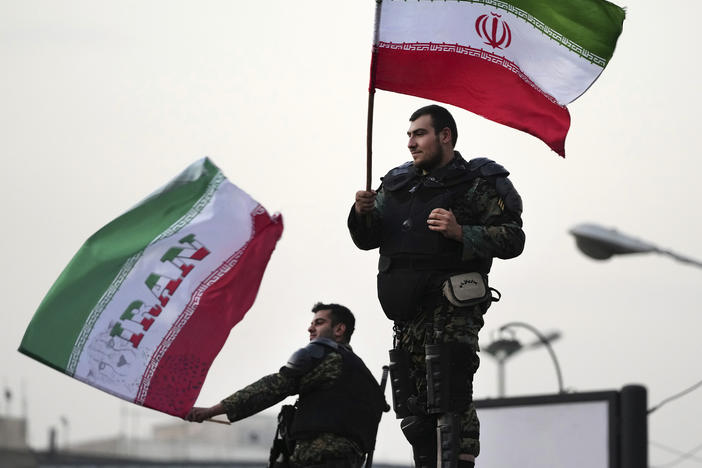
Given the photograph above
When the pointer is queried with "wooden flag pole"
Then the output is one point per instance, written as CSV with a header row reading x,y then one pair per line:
x,y
369,139
371,97
218,421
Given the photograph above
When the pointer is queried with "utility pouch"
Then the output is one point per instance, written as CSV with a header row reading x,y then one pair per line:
x,y
400,290
283,444
467,289
400,382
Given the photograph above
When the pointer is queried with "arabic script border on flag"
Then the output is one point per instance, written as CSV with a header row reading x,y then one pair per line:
x,y
471,52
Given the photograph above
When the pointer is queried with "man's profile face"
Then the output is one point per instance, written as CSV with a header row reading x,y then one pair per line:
x,y
424,144
321,326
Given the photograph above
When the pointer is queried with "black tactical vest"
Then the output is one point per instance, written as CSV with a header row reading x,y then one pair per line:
x,y
409,198
350,408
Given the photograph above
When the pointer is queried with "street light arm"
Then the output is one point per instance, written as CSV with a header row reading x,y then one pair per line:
x,y
681,258
550,337
546,343
601,243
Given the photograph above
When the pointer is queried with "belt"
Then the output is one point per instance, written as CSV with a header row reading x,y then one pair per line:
x,y
386,263
350,462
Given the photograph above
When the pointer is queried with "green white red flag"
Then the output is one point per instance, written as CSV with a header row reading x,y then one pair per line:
x,y
516,62
146,304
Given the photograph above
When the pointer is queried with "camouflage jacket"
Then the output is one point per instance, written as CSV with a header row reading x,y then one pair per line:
x,y
491,226
274,388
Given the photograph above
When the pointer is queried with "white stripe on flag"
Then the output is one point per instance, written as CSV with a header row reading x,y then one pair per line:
x,y
551,64
121,371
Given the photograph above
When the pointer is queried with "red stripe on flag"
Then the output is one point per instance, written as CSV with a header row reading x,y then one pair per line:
x,y
181,371
495,91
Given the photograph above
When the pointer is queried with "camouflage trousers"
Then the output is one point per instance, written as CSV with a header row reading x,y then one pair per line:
x,y
327,449
444,323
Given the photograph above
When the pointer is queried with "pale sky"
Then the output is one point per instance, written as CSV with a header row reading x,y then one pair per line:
x,y
103,102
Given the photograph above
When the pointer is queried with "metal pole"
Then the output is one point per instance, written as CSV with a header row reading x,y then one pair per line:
x,y
634,426
680,258
501,375
545,342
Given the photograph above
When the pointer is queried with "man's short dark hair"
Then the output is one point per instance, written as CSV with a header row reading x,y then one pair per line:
x,y
338,314
440,119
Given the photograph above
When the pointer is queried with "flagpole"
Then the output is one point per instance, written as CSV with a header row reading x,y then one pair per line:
x,y
371,96
369,139
218,421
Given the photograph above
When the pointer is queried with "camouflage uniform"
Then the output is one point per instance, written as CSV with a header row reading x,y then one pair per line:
x,y
490,229
442,324
274,388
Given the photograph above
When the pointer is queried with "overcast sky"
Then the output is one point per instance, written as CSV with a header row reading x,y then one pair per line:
x,y
101,102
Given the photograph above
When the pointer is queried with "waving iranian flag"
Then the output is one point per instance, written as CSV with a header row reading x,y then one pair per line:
x,y
516,62
143,308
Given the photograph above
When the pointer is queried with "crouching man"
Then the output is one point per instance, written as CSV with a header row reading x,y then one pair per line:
x,y
336,417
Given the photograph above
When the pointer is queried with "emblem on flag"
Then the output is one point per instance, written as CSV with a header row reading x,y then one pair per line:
x,y
505,34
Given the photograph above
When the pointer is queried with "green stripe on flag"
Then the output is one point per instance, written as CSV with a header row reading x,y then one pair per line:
x,y
55,327
594,25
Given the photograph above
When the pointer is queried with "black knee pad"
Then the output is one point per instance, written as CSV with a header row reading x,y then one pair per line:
x,y
419,429
420,432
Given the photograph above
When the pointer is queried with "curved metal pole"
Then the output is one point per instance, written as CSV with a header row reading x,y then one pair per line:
x,y
680,258
545,342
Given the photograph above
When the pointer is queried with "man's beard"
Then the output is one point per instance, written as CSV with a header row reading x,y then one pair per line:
x,y
431,162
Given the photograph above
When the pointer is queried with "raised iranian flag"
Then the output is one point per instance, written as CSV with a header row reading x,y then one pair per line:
x,y
516,62
146,304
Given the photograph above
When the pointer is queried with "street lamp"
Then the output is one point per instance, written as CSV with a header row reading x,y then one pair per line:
x,y
504,348
601,243
65,425
501,350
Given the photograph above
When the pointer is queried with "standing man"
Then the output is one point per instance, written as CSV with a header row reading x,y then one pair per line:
x,y
439,221
337,414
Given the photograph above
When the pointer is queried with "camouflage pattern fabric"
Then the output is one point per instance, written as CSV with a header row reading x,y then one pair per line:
x,y
274,388
489,228
444,323
326,447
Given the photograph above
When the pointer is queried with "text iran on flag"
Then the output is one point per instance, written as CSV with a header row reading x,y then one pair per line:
x,y
516,62
146,304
